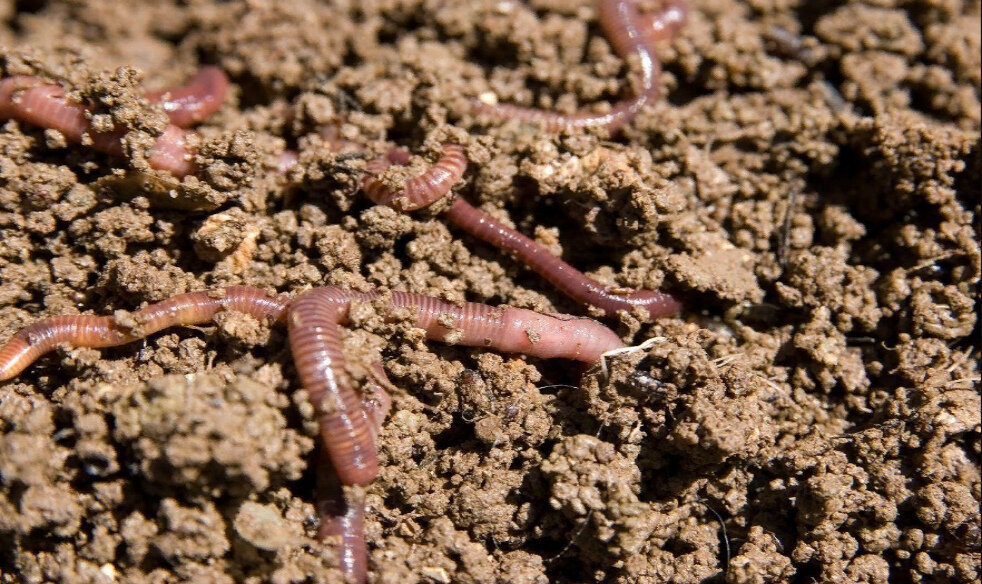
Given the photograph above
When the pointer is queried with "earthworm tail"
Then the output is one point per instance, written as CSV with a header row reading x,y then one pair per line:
x,y
342,516
194,102
418,191
563,276
104,331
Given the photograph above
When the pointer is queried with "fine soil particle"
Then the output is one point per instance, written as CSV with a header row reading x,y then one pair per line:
x,y
809,185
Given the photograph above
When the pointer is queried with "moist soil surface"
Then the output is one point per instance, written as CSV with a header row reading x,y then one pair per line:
x,y
808,185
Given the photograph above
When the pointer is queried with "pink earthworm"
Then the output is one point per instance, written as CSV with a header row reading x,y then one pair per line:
x,y
313,319
343,517
348,427
36,339
31,100
419,191
629,34
195,101
666,23
563,276
343,514
313,322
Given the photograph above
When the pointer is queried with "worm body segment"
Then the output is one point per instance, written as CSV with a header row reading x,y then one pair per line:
x,y
104,331
563,276
343,517
419,191
195,101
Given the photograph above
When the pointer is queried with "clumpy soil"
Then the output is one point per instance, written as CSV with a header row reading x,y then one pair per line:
x,y
809,186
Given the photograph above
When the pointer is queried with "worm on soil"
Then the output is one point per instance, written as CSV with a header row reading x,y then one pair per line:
x,y
664,24
195,101
342,512
30,99
348,426
419,191
563,276
313,320
629,34
36,339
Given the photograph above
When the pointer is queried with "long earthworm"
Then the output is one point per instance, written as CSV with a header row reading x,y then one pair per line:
x,y
31,100
563,276
436,182
34,340
348,427
629,34
313,319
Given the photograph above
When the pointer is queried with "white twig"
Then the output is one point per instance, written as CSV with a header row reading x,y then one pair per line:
x,y
624,350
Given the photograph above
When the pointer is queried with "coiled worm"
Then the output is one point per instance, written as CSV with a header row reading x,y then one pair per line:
x,y
30,99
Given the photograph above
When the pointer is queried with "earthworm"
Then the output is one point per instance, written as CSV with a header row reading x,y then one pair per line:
x,y
666,23
348,428
343,513
31,100
315,341
195,101
36,339
313,320
563,276
629,35
418,191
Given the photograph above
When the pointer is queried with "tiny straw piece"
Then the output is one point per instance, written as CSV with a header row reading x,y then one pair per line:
x,y
644,346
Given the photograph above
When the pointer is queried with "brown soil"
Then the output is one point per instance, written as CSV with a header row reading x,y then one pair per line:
x,y
810,186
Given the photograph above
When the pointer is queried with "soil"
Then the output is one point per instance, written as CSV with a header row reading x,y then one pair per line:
x,y
810,186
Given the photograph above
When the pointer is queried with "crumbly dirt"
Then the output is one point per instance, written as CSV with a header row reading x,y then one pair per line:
x,y
809,186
